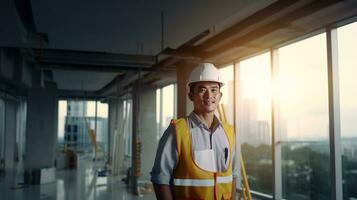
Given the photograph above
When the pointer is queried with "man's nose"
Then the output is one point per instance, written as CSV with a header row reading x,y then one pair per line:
x,y
208,94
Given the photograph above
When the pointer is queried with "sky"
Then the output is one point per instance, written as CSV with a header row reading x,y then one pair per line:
x,y
302,85
348,85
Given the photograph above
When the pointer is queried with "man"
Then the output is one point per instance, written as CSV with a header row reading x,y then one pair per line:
x,y
196,156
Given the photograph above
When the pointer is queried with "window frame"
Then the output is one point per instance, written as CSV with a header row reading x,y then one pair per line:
x,y
333,109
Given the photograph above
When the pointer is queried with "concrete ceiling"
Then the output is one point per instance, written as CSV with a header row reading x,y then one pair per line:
x,y
124,26
117,27
82,80
132,27
127,36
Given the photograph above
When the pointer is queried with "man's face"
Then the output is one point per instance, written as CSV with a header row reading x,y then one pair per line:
x,y
205,96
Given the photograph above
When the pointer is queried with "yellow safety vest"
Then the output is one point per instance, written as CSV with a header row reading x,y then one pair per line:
x,y
193,183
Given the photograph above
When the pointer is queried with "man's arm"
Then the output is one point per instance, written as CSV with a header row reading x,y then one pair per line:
x,y
163,192
165,162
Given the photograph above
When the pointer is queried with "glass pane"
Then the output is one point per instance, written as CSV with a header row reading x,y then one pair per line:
x,y
62,113
303,119
77,138
254,121
90,105
102,126
227,74
165,107
168,105
128,125
79,119
158,112
348,107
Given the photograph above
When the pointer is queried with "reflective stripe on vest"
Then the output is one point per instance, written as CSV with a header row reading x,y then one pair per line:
x,y
202,182
224,179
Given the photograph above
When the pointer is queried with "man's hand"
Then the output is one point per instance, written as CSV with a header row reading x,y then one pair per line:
x,y
163,192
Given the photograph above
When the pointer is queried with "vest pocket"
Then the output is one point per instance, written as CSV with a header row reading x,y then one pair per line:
x,y
206,160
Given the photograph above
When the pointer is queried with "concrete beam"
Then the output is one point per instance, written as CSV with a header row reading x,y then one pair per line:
x,y
90,67
63,57
78,94
219,44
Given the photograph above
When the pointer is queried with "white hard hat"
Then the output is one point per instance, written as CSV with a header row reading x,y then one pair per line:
x,y
205,72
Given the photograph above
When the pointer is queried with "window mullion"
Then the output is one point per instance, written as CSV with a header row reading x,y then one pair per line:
x,y
334,113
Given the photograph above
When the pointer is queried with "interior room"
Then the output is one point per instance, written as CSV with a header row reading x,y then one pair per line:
x,y
87,89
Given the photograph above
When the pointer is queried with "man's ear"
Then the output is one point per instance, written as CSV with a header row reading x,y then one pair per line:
x,y
190,96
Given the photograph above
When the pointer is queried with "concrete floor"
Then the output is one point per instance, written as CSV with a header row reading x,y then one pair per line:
x,y
80,184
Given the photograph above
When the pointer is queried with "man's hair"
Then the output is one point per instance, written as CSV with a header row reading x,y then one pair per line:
x,y
192,86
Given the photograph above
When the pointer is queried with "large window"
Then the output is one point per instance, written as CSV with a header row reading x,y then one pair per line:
x,y
76,118
303,119
227,74
254,120
302,160
348,107
62,113
165,107
128,125
102,122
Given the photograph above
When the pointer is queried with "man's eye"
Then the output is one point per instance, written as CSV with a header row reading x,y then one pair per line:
x,y
202,90
214,90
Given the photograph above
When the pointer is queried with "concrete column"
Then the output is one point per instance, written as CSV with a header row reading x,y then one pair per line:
x,y
10,133
41,137
184,105
144,130
148,130
135,158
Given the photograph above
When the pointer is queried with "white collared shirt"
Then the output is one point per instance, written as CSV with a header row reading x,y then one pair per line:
x,y
202,138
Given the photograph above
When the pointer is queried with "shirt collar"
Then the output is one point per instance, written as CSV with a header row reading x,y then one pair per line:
x,y
197,121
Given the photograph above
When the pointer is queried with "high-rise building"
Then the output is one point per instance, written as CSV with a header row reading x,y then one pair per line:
x,y
250,129
76,108
77,125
